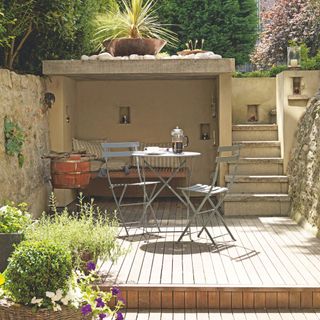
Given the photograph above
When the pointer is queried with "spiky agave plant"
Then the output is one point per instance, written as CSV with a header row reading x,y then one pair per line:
x,y
136,19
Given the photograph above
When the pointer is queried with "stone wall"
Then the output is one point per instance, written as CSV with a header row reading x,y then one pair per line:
x,y
304,167
21,100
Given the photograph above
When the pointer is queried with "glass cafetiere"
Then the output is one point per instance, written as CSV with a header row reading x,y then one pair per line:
x,y
179,140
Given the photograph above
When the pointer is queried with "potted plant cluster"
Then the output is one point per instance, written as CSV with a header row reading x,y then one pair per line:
x,y
53,275
132,29
40,283
14,219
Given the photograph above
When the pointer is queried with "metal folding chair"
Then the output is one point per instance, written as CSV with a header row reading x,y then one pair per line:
x,y
126,150
212,194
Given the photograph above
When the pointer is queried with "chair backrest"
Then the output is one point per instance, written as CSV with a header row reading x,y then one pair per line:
x,y
113,150
232,156
108,149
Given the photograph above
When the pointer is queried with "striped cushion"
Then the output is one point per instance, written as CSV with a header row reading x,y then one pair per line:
x,y
90,146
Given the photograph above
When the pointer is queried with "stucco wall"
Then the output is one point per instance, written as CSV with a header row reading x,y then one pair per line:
x,y
21,99
290,107
253,91
156,106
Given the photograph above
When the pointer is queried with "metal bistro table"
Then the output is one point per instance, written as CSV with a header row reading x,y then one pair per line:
x,y
182,157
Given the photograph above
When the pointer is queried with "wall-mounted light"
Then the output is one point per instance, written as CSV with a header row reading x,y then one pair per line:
x,y
49,99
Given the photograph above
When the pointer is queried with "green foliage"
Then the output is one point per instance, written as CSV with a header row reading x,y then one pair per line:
x,y
136,19
14,218
272,72
47,29
87,232
36,267
307,62
228,27
14,139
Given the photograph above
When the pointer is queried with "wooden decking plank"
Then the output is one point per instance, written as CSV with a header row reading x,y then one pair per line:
x,y
293,262
271,250
177,268
260,261
167,267
295,237
155,272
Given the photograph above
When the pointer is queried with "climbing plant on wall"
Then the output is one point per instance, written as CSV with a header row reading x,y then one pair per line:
x,y
14,139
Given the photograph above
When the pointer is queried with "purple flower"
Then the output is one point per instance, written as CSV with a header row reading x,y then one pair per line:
x,y
102,315
120,316
100,303
115,291
91,266
86,309
120,299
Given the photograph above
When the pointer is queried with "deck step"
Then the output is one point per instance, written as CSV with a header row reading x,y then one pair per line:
x,y
245,132
198,297
256,204
259,184
258,166
259,148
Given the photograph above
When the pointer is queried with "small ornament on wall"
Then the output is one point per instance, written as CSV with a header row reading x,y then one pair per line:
x,y
124,115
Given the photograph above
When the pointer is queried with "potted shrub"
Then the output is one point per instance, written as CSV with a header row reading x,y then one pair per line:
x,y
133,29
13,222
41,284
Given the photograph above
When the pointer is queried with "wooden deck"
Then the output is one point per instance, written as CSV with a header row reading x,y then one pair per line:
x,y
273,264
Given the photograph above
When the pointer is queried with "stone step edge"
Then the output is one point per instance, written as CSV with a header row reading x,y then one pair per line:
x,y
258,160
257,178
257,197
258,127
257,144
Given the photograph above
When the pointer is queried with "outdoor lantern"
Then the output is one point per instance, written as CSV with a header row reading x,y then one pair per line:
x,y
294,57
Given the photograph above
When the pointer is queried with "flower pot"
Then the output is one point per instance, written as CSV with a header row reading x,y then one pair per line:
x,y
7,242
128,46
20,312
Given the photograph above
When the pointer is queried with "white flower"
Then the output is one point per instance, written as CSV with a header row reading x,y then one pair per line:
x,y
36,301
65,300
54,296
56,307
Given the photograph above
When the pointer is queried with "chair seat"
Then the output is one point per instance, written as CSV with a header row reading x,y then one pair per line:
x,y
135,184
204,188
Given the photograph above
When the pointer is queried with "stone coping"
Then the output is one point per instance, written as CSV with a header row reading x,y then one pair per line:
x,y
139,69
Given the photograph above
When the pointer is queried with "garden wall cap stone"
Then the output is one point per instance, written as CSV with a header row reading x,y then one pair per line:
x,y
139,67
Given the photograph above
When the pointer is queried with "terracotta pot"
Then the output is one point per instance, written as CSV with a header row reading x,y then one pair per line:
x,y
70,173
128,46
7,242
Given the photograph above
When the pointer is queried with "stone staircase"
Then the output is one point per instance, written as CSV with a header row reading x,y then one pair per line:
x,y
259,188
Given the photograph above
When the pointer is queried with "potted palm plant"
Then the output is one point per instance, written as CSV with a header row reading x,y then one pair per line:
x,y
132,29
13,221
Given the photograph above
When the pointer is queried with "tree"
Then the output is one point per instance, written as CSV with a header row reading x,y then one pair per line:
x,y
229,27
288,20
46,29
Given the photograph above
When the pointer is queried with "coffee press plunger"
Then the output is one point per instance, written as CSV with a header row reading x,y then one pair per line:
x,y
179,140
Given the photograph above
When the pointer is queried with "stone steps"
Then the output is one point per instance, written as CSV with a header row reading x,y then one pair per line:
x,y
252,204
259,148
260,188
259,184
258,166
254,132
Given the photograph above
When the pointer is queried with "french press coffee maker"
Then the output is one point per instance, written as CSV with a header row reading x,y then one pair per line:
x,y
179,140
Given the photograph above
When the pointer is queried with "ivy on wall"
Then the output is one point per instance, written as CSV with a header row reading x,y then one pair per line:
x,y
14,139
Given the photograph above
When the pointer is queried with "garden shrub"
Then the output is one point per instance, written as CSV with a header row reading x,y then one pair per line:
x,y
36,267
86,233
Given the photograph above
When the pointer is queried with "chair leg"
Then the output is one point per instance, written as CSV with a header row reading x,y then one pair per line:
x,y
118,205
218,214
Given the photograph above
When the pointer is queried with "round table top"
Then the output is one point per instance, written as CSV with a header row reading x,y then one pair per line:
x,y
166,154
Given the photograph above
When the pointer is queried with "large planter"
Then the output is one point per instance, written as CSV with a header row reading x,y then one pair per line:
x,y
128,46
20,312
71,172
7,242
